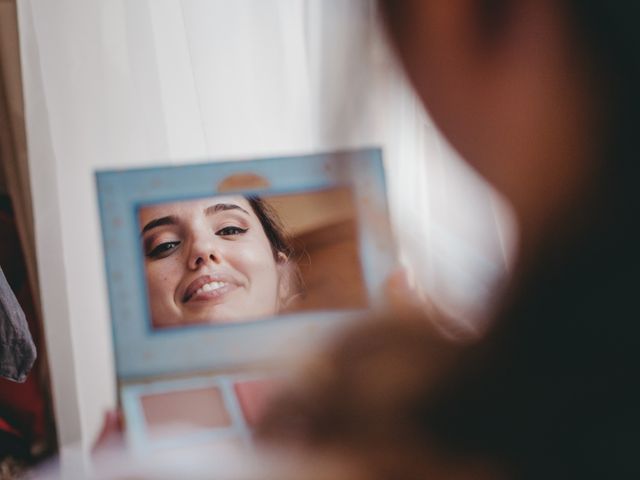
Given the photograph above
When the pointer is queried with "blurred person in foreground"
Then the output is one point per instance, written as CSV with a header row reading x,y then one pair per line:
x,y
541,98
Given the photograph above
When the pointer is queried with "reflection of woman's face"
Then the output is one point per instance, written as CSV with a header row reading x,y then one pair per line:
x,y
207,261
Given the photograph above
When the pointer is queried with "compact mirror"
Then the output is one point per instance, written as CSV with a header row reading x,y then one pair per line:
x,y
241,258
225,264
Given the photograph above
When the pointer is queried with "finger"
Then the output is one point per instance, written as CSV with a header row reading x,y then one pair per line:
x,y
112,428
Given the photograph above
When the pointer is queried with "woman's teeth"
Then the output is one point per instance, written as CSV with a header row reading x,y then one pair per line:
x,y
209,287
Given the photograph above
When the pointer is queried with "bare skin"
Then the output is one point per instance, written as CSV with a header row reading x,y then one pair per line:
x,y
512,96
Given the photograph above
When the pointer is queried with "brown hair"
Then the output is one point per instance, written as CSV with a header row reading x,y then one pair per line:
x,y
281,243
272,225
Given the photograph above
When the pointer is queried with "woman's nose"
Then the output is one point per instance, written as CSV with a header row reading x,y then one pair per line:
x,y
203,251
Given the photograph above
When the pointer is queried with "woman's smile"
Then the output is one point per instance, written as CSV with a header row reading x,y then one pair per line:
x,y
210,287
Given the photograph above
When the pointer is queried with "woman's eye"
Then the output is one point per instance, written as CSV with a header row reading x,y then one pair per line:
x,y
163,250
232,230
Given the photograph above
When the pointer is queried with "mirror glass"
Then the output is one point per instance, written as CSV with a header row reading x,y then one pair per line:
x,y
237,258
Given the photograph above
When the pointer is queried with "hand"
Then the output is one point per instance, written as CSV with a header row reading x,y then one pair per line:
x,y
405,298
111,434
407,302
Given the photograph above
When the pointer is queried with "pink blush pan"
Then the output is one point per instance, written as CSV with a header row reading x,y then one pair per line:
x,y
253,396
184,411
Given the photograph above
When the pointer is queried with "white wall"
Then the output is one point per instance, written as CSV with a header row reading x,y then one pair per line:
x,y
124,83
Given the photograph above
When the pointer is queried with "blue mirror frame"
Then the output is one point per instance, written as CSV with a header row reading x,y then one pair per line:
x,y
143,352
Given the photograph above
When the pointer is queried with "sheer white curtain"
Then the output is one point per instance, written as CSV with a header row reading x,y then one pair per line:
x,y
131,83
455,233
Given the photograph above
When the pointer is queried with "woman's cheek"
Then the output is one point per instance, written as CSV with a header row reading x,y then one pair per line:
x,y
254,261
163,280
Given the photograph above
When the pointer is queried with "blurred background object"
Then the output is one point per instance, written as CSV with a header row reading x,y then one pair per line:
x,y
323,226
27,429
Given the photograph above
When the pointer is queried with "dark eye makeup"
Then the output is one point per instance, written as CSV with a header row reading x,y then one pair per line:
x,y
165,249
162,250
231,230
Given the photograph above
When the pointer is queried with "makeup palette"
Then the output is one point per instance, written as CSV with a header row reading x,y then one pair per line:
x,y
210,409
205,298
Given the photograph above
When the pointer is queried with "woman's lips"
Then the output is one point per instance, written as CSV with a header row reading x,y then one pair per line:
x,y
208,287
203,294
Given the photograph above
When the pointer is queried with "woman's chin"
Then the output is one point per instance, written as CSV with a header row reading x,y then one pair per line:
x,y
220,314
214,314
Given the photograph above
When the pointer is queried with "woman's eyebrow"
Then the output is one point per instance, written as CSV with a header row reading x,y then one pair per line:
x,y
220,207
158,222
